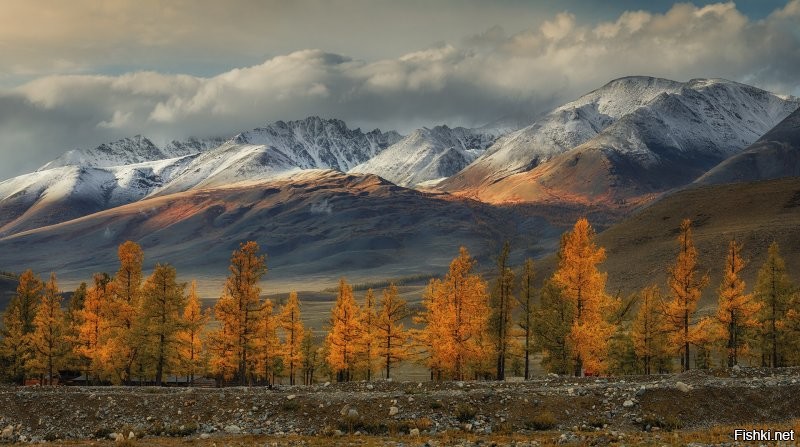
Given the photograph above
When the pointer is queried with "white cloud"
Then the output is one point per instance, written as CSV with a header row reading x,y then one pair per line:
x,y
477,80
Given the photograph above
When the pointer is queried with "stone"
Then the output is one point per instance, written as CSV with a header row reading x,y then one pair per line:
x,y
205,436
131,435
291,397
7,432
414,432
393,411
352,413
370,386
232,429
628,403
682,387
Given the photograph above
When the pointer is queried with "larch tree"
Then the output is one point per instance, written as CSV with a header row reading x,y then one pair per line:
x,y
502,305
527,307
15,347
48,339
93,326
239,307
647,331
310,357
162,303
367,337
736,311
18,319
292,327
342,339
391,336
267,344
552,324
583,286
125,338
685,284
456,319
190,338
774,291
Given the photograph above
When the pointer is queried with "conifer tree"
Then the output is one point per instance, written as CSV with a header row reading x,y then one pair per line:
x,y
342,339
649,339
93,326
162,304
391,336
527,312
310,357
125,337
774,291
367,337
48,341
736,310
293,329
584,286
686,284
239,308
72,317
15,347
552,324
268,345
456,319
502,305
190,338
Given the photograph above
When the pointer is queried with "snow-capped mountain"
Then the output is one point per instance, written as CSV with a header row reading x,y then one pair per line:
x,y
59,194
667,142
81,182
428,154
126,151
775,155
281,148
562,129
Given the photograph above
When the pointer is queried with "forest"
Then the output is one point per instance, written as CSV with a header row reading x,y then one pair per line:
x,y
130,329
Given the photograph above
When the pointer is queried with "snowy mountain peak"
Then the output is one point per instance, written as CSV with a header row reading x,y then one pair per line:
x,y
428,154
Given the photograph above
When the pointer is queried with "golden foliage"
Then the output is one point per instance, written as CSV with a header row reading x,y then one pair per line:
x,y
190,338
392,337
736,311
292,327
342,339
583,286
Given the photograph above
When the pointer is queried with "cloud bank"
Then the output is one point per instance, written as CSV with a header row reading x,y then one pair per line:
x,y
476,80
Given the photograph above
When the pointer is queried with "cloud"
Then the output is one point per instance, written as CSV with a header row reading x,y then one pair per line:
x,y
476,80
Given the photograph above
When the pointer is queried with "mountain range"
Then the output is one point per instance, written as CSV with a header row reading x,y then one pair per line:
x,y
326,200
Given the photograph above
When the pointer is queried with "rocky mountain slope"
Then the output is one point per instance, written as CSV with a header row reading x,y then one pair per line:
x,y
775,155
428,154
313,225
654,145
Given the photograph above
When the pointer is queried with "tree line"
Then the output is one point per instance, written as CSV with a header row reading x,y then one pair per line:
x,y
126,329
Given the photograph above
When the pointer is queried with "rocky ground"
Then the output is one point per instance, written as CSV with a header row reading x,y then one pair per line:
x,y
642,410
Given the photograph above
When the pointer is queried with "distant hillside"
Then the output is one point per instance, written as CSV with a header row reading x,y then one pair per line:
x,y
642,247
8,286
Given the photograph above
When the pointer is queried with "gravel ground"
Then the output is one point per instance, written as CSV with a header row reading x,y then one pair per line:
x,y
571,408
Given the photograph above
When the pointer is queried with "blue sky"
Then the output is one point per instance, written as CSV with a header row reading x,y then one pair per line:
x,y
79,73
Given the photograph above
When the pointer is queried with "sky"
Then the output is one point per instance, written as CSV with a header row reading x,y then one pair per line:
x,y
77,74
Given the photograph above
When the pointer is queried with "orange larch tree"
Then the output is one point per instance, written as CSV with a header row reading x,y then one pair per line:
x,y
647,332
267,343
93,326
48,339
15,347
162,303
289,321
455,320
736,311
584,286
391,336
124,337
239,307
342,339
191,336
367,337
686,284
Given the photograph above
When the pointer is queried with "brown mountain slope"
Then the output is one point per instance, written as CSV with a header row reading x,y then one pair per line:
x,y
643,246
